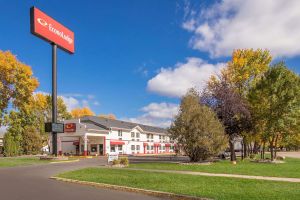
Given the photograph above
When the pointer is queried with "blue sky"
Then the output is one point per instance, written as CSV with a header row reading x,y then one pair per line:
x,y
136,58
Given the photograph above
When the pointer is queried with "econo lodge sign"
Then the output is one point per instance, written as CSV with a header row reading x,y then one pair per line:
x,y
50,30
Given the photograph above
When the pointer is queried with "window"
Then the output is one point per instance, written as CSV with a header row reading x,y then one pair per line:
x,y
120,147
112,148
152,147
132,134
160,137
138,147
138,135
147,136
132,147
148,147
164,147
151,136
120,133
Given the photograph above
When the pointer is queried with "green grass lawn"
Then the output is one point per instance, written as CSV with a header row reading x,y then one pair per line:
x,y
201,186
17,161
289,169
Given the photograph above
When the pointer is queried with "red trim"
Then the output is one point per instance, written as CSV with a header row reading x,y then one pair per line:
x,y
167,145
116,142
104,145
145,144
75,143
157,144
84,153
60,153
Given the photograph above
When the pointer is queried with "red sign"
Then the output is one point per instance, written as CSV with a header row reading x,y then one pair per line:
x,y
50,30
70,127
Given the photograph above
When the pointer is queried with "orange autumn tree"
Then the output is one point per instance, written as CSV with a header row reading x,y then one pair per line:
x,y
81,112
108,116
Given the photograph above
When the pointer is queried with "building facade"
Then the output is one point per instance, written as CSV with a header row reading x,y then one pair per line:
x,y
98,136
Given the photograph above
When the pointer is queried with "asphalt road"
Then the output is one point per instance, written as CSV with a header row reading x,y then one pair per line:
x,y
33,183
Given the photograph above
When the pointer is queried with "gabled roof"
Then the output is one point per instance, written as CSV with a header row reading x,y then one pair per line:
x,y
113,123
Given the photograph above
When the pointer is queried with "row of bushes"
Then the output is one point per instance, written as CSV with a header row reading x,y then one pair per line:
x,y
121,161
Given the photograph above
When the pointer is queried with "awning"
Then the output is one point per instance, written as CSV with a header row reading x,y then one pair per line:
x,y
167,145
145,144
156,144
76,143
116,142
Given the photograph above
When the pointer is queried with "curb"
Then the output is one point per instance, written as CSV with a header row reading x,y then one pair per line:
x,y
67,161
131,189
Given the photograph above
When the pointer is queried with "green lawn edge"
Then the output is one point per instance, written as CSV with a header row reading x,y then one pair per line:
x,y
289,169
200,186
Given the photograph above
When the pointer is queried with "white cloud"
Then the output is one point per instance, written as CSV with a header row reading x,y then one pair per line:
x,y
71,102
96,103
75,100
232,24
161,110
175,82
156,114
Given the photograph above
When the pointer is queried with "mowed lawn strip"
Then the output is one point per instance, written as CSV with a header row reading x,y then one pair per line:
x,y
290,169
18,161
200,186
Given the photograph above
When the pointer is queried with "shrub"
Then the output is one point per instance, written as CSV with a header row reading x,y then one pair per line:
x,y
124,161
197,129
252,156
11,146
116,162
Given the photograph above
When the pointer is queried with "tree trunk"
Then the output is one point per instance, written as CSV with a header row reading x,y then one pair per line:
x,y
243,150
256,145
272,148
275,151
263,150
245,147
232,152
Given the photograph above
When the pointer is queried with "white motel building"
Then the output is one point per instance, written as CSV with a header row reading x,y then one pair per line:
x,y
93,135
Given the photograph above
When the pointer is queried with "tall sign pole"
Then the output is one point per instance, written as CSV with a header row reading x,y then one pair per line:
x,y
54,98
48,29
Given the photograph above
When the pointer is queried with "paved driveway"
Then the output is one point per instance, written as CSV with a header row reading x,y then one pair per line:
x,y
33,183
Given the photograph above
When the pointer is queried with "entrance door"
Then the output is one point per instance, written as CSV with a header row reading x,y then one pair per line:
x,y
101,149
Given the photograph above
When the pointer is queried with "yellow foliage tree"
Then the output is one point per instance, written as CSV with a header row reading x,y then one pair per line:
x,y
246,67
16,82
81,112
108,116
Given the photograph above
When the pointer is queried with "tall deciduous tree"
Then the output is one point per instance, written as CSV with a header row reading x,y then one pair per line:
x,y
230,108
26,125
275,100
246,67
197,129
16,82
81,112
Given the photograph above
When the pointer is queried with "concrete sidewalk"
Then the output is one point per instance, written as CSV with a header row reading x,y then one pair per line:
x,y
294,180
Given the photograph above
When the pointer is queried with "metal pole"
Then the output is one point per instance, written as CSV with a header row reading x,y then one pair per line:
x,y
54,98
